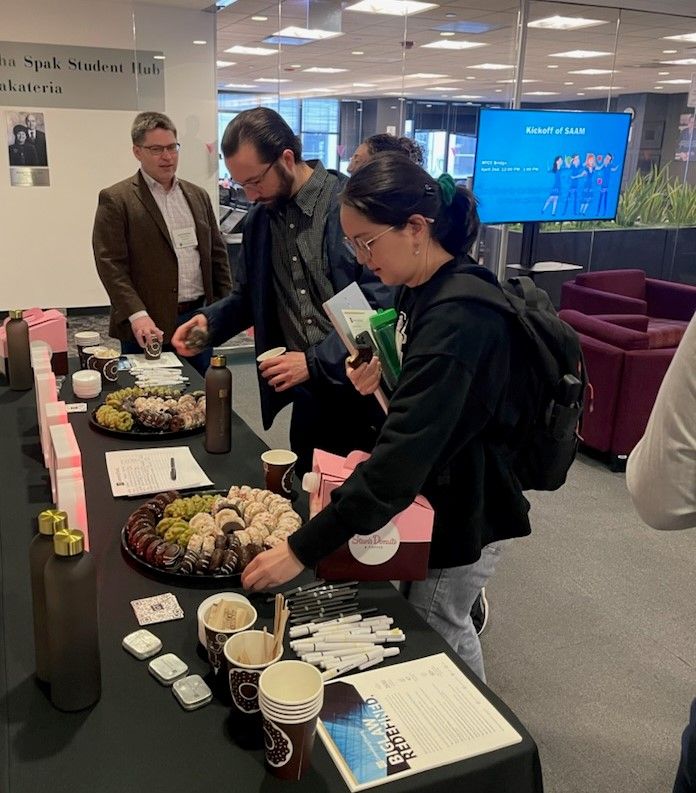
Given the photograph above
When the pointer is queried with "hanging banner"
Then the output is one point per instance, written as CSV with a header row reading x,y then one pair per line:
x,y
52,75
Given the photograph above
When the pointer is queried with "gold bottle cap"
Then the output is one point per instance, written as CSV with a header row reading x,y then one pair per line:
x,y
52,520
218,361
68,542
16,313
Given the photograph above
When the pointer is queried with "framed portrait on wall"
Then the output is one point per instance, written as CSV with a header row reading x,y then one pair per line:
x,y
27,148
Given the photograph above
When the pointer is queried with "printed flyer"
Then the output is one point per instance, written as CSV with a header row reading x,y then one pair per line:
x,y
399,720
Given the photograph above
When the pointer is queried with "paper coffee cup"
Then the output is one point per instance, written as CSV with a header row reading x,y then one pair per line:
x,y
215,637
238,599
272,353
153,349
288,746
292,685
247,654
278,470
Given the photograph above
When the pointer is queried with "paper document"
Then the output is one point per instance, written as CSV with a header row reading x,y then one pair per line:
x,y
167,360
346,309
143,471
399,720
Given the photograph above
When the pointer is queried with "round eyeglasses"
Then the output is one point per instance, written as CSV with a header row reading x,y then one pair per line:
x,y
362,248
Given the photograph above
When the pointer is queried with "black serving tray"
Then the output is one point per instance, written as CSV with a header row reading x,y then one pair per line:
x,y
139,432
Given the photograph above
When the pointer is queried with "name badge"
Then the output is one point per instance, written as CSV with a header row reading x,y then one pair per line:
x,y
185,238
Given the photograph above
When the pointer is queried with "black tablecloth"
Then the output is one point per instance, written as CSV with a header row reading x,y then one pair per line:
x,y
137,737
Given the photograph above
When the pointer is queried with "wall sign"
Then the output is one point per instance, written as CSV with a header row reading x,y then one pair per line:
x,y
27,149
51,75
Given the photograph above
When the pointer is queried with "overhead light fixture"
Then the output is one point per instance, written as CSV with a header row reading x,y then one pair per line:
x,y
199,41
579,54
324,70
493,67
295,66
659,87
220,4
670,52
442,88
470,77
512,80
592,71
663,74
357,52
225,64
467,96
447,33
681,62
675,82
426,76
580,93
449,44
158,57
364,85
239,49
450,15
499,90
259,19
464,27
682,37
239,85
565,23
398,8
604,88
315,34
552,66
568,82
318,90
541,93
271,80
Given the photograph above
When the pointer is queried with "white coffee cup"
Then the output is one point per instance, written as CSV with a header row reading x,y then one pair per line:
x,y
274,352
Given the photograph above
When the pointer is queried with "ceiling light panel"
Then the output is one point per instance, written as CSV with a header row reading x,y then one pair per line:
x,y
579,54
493,67
450,44
426,76
690,37
604,88
324,70
224,64
592,71
315,34
399,8
239,49
675,82
565,23
681,62
271,80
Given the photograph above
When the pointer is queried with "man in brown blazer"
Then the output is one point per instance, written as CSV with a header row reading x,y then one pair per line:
x,y
157,245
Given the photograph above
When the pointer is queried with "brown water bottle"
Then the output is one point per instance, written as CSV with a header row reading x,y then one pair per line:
x,y
21,378
218,406
40,551
73,630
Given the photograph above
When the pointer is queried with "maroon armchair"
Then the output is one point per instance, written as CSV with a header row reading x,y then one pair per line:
x,y
665,303
626,360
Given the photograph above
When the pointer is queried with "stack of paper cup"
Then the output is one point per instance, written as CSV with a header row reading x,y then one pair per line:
x,y
291,694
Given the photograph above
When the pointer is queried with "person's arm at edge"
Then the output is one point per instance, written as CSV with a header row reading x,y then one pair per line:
x,y
661,470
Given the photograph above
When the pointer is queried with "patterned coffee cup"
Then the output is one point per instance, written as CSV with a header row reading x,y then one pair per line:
x,y
215,638
279,470
247,654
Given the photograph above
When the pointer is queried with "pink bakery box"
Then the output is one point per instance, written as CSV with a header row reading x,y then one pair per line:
x,y
49,326
398,551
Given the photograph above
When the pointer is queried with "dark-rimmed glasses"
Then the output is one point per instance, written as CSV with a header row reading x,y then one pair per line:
x,y
256,181
362,247
172,148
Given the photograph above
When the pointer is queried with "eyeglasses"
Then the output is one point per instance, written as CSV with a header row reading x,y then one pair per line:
x,y
362,247
157,150
256,182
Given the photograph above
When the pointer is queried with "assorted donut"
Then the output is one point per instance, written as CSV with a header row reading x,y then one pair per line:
x,y
209,535
154,409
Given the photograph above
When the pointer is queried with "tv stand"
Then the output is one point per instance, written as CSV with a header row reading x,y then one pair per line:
x,y
530,233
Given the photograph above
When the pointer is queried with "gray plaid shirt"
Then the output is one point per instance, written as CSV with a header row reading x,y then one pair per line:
x,y
299,274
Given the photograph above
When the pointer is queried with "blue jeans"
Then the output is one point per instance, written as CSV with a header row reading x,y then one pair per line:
x,y
686,775
200,361
445,598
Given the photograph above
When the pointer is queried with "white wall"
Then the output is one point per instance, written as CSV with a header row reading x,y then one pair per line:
x,y
45,232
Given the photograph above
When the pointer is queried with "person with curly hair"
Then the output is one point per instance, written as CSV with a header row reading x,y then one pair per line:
x,y
384,142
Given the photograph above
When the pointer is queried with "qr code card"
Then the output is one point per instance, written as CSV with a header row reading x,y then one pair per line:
x,y
160,608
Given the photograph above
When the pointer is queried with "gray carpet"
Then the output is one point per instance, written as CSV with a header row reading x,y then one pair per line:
x,y
592,635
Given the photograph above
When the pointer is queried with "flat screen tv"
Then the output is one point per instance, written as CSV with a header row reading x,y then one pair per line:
x,y
549,165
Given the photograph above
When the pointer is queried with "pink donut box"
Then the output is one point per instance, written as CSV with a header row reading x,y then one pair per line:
x,y
49,326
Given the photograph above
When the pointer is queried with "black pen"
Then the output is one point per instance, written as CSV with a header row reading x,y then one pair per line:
x,y
172,468
318,590
297,589
317,596
322,606
345,612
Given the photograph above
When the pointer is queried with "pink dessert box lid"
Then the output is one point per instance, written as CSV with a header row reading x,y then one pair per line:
x,y
415,523
66,450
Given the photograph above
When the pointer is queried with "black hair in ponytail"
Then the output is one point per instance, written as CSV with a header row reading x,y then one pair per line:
x,y
390,188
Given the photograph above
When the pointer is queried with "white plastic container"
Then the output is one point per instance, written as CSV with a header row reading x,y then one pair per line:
x,y
87,384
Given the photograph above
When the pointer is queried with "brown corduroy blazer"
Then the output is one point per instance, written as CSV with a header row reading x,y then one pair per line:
x,y
136,260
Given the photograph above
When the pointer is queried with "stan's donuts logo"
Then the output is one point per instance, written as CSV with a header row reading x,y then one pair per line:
x,y
376,548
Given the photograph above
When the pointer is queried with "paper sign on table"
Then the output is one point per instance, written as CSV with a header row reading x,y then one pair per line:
x,y
143,471
399,720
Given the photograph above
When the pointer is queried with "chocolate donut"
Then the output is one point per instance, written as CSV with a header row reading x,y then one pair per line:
x,y
221,541
151,550
172,556
243,558
229,563
143,542
216,559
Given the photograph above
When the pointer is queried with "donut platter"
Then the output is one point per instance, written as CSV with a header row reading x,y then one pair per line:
x,y
153,412
207,537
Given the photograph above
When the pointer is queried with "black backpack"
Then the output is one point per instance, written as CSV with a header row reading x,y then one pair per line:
x,y
556,365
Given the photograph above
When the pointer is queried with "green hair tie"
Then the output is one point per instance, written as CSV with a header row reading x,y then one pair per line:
x,y
447,188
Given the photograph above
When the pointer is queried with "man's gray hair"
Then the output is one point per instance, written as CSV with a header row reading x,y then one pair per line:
x,y
146,121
